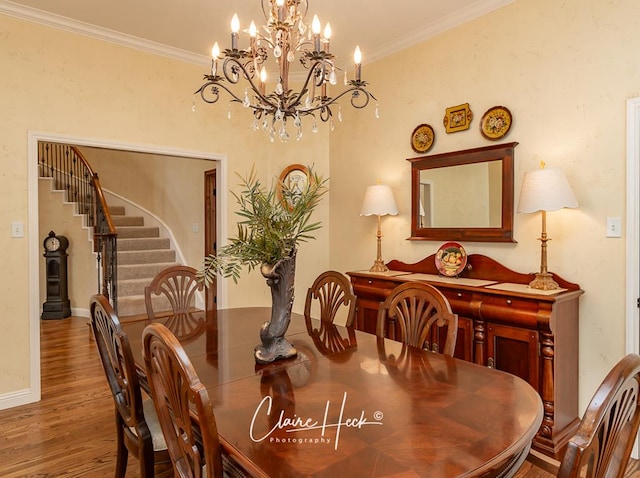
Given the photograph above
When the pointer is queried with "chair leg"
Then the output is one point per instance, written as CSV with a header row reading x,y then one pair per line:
x,y
122,452
147,460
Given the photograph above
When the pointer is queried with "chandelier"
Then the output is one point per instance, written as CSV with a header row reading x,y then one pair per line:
x,y
284,37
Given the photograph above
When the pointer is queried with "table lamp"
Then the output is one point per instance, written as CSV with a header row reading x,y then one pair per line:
x,y
545,189
379,201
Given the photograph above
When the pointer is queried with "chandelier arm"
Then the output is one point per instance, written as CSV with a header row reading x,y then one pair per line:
x,y
216,85
264,99
325,113
229,64
305,86
322,74
351,90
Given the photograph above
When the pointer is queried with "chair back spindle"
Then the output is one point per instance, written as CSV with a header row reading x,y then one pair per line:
x,y
178,285
418,314
332,293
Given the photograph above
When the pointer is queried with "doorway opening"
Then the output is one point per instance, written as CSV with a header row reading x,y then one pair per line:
x,y
34,392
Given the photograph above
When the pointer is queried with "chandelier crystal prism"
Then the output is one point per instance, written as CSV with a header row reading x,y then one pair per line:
x,y
283,38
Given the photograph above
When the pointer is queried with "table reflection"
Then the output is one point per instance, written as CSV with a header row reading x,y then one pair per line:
x,y
407,364
331,340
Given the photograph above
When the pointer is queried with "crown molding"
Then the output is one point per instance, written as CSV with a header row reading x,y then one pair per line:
x,y
81,28
430,30
475,10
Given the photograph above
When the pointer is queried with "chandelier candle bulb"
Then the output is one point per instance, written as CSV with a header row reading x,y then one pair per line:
x,y
327,36
280,5
315,28
235,28
215,53
253,31
357,59
263,80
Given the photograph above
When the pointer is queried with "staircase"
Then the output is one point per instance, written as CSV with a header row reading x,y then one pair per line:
x,y
142,253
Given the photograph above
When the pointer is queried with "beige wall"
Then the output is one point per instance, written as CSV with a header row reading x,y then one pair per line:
x,y
68,85
565,71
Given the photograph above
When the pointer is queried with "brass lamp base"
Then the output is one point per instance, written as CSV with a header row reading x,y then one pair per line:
x,y
378,266
543,281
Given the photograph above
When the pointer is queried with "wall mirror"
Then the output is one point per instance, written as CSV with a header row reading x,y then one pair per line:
x,y
463,195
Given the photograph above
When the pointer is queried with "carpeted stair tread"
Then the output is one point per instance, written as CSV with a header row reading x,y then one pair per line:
x,y
135,304
123,221
146,257
143,243
142,271
129,287
137,231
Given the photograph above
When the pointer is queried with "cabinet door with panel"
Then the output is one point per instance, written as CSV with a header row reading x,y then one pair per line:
x,y
514,350
464,340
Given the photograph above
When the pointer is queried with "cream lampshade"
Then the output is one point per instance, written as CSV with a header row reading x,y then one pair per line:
x,y
379,201
545,189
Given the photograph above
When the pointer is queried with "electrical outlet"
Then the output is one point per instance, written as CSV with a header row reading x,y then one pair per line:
x,y
614,227
17,229
195,227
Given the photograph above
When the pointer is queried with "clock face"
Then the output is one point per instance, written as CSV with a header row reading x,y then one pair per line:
x,y
52,244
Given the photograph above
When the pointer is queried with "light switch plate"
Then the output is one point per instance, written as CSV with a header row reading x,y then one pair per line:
x,y
17,229
614,227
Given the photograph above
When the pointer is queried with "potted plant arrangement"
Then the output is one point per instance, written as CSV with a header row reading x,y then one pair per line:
x,y
273,223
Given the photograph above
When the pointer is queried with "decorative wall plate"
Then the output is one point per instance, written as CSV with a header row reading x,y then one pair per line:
x,y
457,118
451,259
422,138
496,122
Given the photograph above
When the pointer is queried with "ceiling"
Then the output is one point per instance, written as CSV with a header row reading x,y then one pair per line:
x,y
186,29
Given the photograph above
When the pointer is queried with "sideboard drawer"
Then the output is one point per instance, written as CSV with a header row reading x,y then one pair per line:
x,y
372,287
462,302
510,310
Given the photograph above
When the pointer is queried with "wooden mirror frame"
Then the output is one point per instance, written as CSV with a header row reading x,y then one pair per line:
x,y
504,152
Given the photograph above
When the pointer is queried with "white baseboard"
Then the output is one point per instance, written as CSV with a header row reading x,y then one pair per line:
x,y
17,398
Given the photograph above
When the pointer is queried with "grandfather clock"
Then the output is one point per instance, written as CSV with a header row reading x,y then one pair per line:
x,y
57,305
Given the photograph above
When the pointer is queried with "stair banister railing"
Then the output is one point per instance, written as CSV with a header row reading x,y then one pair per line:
x,y
72,173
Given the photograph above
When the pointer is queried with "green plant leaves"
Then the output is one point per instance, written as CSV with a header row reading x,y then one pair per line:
x,y
271,225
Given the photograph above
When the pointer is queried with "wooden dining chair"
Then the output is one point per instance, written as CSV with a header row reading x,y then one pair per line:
x,y
332,293
605,437
178,394
177,285
137,427
418,314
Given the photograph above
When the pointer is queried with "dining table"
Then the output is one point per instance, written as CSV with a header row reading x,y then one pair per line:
x,y
350,403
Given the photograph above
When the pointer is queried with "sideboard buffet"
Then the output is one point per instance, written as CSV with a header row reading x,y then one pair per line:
x,y
504,324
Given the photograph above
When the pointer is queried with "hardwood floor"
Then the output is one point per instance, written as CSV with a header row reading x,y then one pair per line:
x,y
71,431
